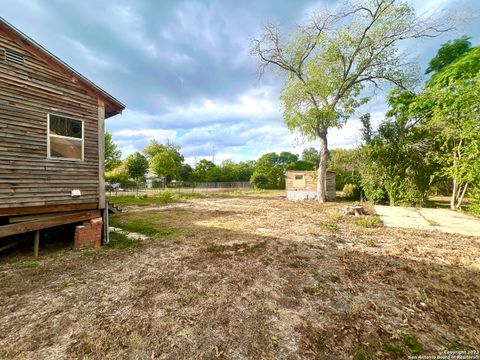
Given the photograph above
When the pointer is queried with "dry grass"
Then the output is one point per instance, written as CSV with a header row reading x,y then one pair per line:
x,y
245,276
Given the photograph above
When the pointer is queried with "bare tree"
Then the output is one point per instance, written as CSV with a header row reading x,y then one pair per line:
x,y
329,61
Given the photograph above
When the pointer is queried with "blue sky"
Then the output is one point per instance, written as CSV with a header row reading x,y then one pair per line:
x,y
184,71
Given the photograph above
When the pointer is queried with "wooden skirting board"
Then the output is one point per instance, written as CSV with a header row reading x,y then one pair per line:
x,y
47,222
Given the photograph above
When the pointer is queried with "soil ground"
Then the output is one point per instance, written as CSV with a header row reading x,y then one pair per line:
x,y
246,276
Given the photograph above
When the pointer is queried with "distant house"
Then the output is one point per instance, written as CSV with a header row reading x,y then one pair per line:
x,y
51,142
302,185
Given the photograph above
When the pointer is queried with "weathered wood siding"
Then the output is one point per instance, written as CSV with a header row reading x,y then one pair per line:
x,y
309,186
28,178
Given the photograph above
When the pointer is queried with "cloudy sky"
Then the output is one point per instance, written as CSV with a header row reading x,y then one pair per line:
x,y
184,71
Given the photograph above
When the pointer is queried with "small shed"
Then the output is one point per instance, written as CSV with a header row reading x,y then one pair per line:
x,y
51,142
302,185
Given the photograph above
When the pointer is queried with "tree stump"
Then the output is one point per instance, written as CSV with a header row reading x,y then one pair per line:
x,y
355,209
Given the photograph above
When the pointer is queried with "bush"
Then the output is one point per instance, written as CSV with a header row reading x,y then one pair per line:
x,y
351,191
474,201
259,181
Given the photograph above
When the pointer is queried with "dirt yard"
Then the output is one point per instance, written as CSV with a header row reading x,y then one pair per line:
x,y
245,277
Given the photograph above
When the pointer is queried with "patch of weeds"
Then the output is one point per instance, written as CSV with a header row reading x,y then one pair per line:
x,y
353,311
164,197
412,343
314,290
294,264
369,221
432,222
120,241
141,225
329,226
335,279
392,350
29,265
336,214
371,242
87,253
360,354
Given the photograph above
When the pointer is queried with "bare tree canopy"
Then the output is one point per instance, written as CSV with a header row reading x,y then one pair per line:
x,y
330,60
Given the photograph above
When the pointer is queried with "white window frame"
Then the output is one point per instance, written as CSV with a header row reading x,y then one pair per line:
x,y
65,137
299,183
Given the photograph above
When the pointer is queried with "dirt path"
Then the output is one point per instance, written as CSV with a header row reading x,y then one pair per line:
x,y
426,219
247,278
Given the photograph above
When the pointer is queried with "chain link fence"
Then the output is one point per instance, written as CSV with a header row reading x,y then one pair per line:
x,y
137,188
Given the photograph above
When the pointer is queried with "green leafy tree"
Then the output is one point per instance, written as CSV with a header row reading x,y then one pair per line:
x,y
301,165
163,164
448,53
136,165
346,164
205,171
367,131
118,174
270,170
185,172
168,150
396,161
311,155
328,62
112,153
453,94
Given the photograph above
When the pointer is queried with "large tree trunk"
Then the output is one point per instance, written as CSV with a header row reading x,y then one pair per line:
x,y
322,169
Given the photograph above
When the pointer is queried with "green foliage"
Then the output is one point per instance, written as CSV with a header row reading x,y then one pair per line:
x,y
118,174
163,164
329,226
136,166
120,241
311,155
454,119
185,172
413,345
328,62
474,200
346,164
166,159
393,350
165,197
351,191
449,52
205,171
270,170
369,221
29,265
112,153
396,162
301,165
367,132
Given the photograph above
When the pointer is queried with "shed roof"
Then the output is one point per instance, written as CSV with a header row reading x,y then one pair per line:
x,y
112,106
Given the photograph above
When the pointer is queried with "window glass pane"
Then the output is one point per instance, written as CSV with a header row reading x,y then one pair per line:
x,y
298,177
65,148
65,127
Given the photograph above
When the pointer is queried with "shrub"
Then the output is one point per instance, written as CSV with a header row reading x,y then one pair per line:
x,y
474,201
351,191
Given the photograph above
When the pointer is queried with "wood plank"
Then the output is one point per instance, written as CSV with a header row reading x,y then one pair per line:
x,y
46,209
101,154
20,228
36,243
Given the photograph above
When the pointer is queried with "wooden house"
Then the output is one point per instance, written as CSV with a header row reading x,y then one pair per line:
x,y
302,185
51,142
